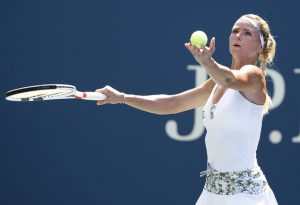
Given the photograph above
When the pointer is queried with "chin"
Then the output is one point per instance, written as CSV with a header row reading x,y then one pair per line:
x,y
235,51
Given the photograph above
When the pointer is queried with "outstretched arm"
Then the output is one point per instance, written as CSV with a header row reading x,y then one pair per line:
x,y
160,104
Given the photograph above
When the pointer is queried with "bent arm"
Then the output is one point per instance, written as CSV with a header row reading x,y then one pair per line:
x,y
248,78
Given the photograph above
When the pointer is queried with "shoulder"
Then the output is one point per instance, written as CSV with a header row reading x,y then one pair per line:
x,y
256,90
249,78
253,72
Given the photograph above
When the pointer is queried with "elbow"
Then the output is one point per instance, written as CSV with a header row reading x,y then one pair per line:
x,y
227,82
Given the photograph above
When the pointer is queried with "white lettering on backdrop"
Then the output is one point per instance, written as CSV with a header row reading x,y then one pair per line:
x,y
296,139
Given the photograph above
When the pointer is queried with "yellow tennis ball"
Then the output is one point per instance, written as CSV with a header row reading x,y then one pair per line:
x,y
198,39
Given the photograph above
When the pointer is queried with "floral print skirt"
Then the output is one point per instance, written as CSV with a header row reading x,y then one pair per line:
x,y
251,182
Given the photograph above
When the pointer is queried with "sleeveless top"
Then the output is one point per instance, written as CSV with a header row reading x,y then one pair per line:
x,y
233,176
233,131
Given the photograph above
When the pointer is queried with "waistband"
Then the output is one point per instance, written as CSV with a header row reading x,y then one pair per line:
x,y
250,181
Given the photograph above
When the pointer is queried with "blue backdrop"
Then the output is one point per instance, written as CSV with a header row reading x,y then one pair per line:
x,y
73,152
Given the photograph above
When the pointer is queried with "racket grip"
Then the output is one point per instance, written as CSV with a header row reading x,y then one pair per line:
x,y
93,96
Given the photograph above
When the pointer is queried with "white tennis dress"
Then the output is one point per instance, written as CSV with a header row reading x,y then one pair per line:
x,y
233,131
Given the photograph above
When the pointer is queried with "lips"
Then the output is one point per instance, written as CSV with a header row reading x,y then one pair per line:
x,y
236,45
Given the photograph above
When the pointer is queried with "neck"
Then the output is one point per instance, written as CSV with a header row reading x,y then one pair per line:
x,y
238,64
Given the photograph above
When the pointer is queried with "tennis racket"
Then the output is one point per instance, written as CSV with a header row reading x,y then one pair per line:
x,y
51,92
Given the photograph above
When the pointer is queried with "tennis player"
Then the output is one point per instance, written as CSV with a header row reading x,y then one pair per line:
x,y
235,100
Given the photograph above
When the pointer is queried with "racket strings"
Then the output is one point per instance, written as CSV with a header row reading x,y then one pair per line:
x,y
43,94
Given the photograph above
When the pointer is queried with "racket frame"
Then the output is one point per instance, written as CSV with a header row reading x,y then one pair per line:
x,y
70,92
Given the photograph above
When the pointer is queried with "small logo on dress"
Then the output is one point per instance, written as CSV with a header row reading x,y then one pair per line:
x,y
212,110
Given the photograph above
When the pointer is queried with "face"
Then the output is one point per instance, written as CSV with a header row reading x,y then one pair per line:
x,y
244,41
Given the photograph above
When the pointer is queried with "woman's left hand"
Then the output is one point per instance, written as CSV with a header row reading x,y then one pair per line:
x,y
202,55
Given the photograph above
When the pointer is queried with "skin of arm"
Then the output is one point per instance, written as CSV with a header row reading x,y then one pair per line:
x,y
249,78
161,104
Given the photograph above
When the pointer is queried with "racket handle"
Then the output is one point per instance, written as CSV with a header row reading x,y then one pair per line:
x,y
93,96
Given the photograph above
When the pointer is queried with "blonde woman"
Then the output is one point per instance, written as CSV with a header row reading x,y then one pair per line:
x,y
235,100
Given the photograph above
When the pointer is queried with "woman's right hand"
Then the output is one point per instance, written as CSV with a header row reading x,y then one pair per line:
x,y
202,55
113,96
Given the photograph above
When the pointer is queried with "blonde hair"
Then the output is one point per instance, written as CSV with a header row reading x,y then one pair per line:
x,y
267,54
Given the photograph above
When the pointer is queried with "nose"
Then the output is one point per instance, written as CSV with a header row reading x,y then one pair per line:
x,y
238,35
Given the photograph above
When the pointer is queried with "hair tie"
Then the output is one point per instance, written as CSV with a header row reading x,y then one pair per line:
x,y
254,23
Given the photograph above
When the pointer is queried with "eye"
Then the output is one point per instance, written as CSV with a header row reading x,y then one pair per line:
x,y
235,31
248,33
